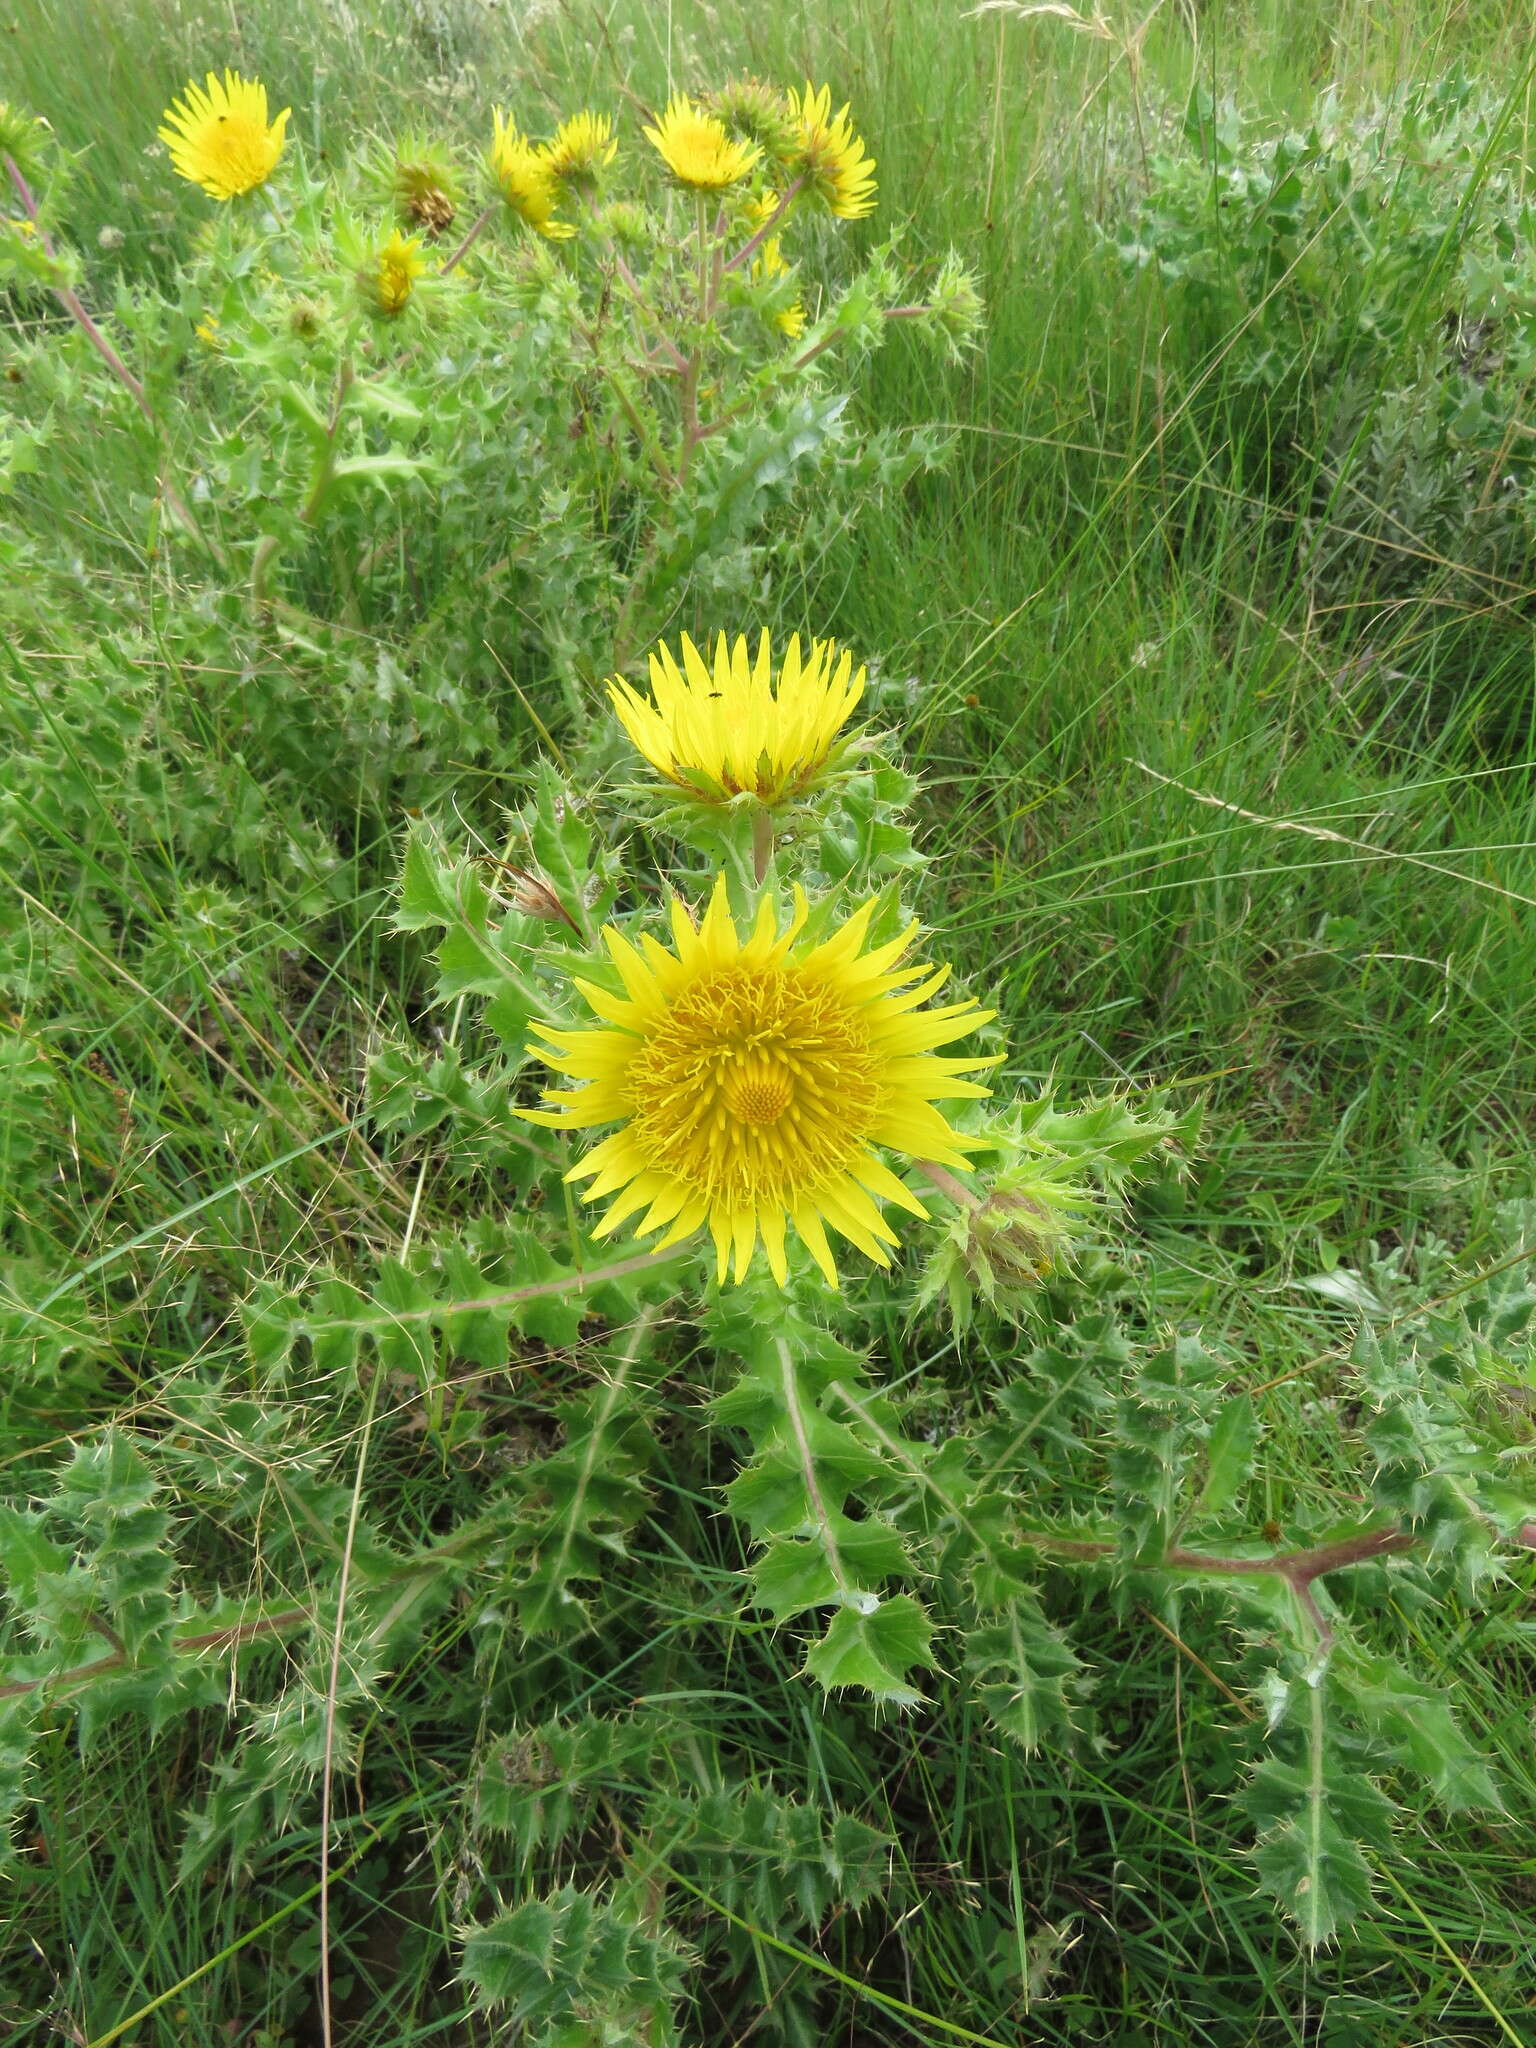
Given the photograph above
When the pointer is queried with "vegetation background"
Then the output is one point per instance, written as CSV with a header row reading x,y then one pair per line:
x,y
1198,812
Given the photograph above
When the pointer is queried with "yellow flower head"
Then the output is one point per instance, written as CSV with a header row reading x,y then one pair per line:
x,y
219,136
767,267
791,322
760,208
752,1078
526,180
582,149
831,164
719,732
697,150
389,281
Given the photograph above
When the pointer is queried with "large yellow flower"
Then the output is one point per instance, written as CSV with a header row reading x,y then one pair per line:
x,y
831,165
219,136
582,149
697,148
751,1080
526,179
720,732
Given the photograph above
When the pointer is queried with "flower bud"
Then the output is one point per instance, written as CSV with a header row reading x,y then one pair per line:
x,y
26,139
955,305
1004,1243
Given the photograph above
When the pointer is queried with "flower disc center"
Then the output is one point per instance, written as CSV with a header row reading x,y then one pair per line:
x,y
757,1091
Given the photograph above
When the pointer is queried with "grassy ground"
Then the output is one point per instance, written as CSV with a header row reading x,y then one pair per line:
x,y
1190,824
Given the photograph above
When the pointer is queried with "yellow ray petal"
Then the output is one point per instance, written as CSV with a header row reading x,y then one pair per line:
x,y
808,1223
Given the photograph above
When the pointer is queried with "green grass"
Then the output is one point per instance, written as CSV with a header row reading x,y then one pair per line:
x,y
1186,826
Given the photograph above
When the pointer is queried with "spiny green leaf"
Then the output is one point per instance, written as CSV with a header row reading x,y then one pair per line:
x,y
538,1784
1418,1720
426,893
776,1860
580,1503
874,1651
1228,1454
402,1324
794,1572
1313,1820
573,1967
1025,1674
26,1554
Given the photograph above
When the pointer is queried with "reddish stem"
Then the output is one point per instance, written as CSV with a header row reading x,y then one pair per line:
x,y
228,1638
469,240
762,841
750,249
1297,1567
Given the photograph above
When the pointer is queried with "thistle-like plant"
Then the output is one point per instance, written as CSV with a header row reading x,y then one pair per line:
x,y
772,1072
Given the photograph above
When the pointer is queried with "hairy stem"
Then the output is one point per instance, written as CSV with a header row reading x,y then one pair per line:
x,y
807,1459
947,1185
230,1637
1297,1567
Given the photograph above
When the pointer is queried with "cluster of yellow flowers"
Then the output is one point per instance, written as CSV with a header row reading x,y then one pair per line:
x,y
772,149
752,1072
533,177
752,1069
793,137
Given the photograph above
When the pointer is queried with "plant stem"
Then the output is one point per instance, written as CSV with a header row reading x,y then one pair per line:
x,y
750,248
945,1182
644,433
716,263
230,1637
632,285
810,354
325,470
1297,1567
74,305
762,841
566,1283
689,399
469,240
270,545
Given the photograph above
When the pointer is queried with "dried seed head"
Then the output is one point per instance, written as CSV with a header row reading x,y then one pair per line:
x,y
534,897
